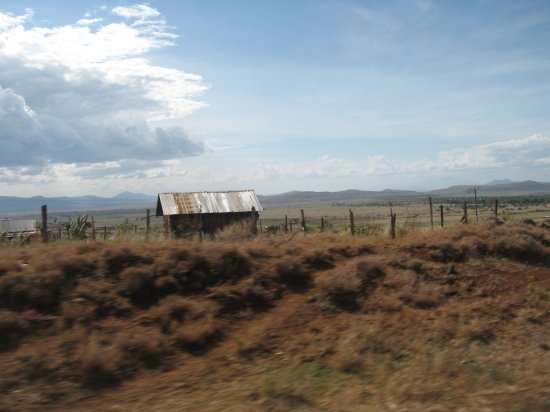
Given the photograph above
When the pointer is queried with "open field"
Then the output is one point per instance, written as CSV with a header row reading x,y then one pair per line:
x,y
370,218
456,318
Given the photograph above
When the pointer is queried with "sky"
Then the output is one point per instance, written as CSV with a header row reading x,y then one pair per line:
x,y
101,97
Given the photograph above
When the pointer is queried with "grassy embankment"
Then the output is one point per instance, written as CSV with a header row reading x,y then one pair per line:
x,y
442,320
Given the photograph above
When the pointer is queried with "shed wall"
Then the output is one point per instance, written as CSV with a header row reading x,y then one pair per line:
x,y
208,223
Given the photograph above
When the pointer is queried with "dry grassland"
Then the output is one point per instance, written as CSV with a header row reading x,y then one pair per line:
x,y
454,319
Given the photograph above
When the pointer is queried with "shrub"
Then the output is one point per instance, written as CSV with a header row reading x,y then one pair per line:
x,y
76,229
13,327
78,310
198,338
341,291
137,284
74,267
342,288
293,275
142,347
173,308
98,367
232,301
233,266
40,291
118,259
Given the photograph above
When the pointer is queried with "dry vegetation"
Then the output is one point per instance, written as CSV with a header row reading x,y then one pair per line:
x,y
442,320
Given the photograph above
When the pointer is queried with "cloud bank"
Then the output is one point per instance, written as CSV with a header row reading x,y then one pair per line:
x,y
85,93
532,152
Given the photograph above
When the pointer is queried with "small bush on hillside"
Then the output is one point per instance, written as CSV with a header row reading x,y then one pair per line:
x,y
74,267
343,288
233,266
13,327
522,249
78,310
103,297
98,367
173,309
142,347
253,298
120,258
137,284
40,291
198,338
293,275
319,260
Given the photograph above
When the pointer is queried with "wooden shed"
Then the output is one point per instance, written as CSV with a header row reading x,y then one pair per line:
x,y
13,228
207,212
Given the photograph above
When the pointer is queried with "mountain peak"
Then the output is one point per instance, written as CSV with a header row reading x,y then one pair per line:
x,y
500,182
130,195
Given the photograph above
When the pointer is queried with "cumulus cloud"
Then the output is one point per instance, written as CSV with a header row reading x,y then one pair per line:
x,y
141,11
528,152
507,153
9,20
86,93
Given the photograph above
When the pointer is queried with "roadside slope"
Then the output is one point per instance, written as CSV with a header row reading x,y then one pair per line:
x,y
445,319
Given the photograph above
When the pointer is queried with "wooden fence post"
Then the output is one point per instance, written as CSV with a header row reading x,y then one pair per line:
x,y
147,224
392,223
351,223
290,225
104,232
322,224
286,223
303,221
44,211
475,200
465,216
431,213
255,217
441,213
496,208
93,228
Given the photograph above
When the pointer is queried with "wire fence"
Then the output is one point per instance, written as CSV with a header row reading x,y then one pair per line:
x,y
359,220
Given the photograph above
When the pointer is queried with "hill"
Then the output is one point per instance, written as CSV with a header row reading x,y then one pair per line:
x,y
129,200
453,319
126,200
504,188
299,197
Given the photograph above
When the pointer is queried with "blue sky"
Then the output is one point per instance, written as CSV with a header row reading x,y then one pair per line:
x,y
102,97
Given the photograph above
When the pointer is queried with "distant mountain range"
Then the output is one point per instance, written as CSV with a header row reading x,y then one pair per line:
x,y
126,200
129,200
496,188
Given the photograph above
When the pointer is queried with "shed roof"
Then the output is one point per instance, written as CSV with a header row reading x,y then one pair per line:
x,y
16,226
207,202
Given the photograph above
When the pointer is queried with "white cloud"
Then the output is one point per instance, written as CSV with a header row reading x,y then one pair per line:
x,y
141,11
86,93
525,152
8,20
88,22
501,154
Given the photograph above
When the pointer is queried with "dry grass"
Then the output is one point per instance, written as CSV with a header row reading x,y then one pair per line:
x,y
450,319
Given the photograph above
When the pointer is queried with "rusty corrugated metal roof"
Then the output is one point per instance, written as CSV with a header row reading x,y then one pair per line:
x,y
207,202
16,226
